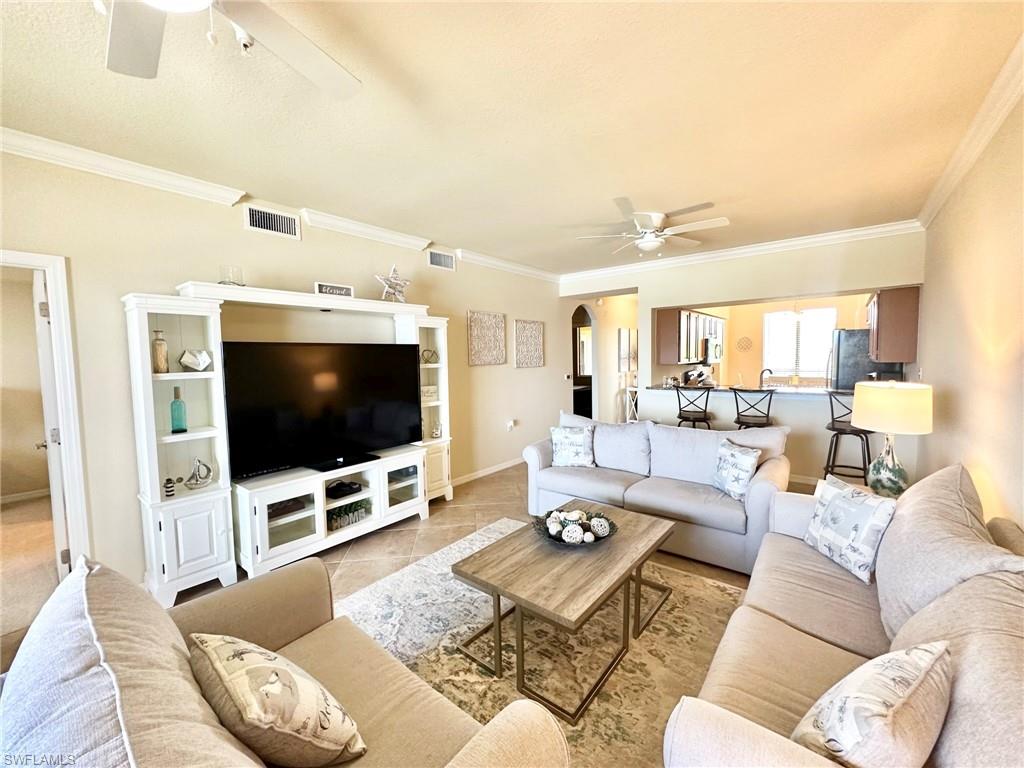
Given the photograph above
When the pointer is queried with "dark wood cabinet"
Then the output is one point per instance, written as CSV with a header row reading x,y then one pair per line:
x,y
666,329
687,338
892,320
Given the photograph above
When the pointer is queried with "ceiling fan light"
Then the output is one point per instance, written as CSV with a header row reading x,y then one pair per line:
x,y
179,6
651,244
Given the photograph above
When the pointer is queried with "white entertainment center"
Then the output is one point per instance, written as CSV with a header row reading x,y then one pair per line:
x,y
192,536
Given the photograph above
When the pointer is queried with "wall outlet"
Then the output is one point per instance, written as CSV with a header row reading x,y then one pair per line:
x,y
511,424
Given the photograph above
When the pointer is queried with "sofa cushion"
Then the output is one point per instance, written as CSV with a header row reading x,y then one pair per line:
x,y
690,502
272,705
809,592
771,673
982,619
103,676
688,454
936,540
616,446
888,711
594,484
398,713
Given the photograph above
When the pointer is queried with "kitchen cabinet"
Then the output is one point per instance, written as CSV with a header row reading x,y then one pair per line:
x,y
892,322
684,337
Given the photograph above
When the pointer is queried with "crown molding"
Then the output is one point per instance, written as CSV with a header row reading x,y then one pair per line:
x,y
359,229
757,249
1002,97
505,266
56,152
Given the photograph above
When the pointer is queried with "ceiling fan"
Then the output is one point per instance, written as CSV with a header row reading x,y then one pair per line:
x,y
136,30
650,231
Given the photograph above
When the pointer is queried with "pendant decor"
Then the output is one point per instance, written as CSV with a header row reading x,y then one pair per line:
x,y
394,286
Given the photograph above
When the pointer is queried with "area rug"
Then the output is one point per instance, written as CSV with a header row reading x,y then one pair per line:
x,y
420,612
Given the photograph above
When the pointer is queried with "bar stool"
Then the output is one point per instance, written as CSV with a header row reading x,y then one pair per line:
x,y
695,408
840,426
753,407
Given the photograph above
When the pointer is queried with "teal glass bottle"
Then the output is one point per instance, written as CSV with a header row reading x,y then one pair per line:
x,y
178,422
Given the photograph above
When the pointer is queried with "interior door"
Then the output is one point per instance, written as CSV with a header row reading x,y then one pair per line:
x,y
51,421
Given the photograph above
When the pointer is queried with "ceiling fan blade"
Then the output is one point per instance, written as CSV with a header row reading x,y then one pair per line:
x,y
135,35
625,206
291,46
597,237
622,247
695,226
677,240
690,209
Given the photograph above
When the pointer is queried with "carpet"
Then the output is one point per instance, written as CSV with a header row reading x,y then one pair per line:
x,y
421,611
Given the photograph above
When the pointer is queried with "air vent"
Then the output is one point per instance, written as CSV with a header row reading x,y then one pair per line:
x,y
441,260
273,222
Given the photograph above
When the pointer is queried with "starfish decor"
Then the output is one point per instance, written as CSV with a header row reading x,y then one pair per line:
x,y
394,286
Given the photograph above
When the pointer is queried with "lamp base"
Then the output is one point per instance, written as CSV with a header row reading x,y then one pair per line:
x,y
886,476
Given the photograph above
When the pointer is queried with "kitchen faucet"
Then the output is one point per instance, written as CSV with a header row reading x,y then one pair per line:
x,y
760,378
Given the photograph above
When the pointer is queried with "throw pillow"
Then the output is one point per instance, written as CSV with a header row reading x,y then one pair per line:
x,y
273,706
847,526
888,711
626,447
736,465
572,447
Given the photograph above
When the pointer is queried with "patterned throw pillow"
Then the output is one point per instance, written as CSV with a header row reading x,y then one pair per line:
x,y
271,705
847,526
888,711
736,465
572,447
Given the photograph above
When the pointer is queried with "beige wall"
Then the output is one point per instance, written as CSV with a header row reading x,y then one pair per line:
x,y
122,238
22,467
971,325
613,313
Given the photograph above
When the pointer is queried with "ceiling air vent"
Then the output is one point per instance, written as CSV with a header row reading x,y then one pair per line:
x,y
441,260
281,224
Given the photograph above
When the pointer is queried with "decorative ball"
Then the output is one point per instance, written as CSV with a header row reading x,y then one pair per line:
x,y
554,528
572,534
584,525
600,527
588,538
573,517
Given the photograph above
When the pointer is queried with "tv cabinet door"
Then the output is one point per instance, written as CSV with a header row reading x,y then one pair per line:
x,y
438,472
194,536
406,486
288,517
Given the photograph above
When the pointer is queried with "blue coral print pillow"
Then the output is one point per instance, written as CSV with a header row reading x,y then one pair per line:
x,y
848,525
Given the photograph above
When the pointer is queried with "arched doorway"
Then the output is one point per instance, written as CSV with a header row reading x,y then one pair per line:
x,y
584,362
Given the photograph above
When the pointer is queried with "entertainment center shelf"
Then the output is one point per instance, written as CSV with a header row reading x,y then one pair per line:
x,y
196,534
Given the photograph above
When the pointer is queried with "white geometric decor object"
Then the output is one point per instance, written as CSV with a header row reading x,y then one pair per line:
x,y
529,344
195,360
486,338
394,286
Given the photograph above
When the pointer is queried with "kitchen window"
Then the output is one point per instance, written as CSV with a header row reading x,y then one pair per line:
x,y
798,343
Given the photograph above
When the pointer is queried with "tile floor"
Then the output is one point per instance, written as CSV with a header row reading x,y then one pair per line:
x,y
359,563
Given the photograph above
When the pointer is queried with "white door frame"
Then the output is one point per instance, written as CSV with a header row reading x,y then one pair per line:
x,y
73,469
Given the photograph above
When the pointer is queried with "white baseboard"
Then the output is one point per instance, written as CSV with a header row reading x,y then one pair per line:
x,y
486,471
11,498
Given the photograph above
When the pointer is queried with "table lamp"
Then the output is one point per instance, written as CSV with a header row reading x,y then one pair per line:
x,y
893,408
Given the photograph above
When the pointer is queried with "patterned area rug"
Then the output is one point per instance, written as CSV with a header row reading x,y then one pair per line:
x,y
420,612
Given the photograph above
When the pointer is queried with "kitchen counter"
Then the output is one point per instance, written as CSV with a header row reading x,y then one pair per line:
x,y
776,390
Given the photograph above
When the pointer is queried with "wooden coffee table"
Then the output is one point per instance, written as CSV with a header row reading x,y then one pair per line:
x,y
535,574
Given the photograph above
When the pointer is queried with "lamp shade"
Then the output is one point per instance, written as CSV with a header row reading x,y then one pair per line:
x,y
893,407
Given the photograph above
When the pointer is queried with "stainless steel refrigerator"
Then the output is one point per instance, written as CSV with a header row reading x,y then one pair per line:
x,y
849,361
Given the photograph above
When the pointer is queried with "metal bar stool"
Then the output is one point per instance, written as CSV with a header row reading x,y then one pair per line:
x,y
840,426
753,407
693,409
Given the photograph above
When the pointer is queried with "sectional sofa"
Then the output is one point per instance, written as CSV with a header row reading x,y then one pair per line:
x,y
805,623
667,471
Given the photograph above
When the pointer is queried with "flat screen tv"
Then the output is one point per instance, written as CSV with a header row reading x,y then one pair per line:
x,y
294,404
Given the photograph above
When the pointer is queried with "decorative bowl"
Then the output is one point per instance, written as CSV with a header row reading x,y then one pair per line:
x,y
554,524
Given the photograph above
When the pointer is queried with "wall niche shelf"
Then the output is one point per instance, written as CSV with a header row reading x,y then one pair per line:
x,y
184,376
194,433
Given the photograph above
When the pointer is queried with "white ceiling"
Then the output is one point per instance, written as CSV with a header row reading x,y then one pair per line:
x,y
509,129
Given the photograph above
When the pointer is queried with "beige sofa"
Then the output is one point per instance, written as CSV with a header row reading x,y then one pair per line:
x,y
805,623
161,718
667,471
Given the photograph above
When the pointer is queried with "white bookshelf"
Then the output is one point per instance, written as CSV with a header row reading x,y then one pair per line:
x,y
188,536
433,334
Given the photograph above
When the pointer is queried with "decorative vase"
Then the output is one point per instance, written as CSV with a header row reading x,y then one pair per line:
x,y
159,353
178,421
886,476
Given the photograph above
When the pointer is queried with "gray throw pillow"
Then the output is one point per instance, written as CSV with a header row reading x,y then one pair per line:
x,y
736,465
572,447
626,447
937,539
